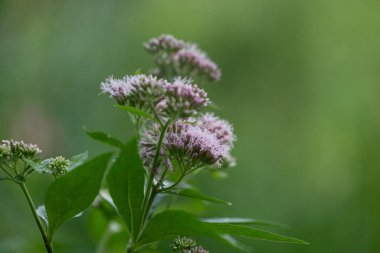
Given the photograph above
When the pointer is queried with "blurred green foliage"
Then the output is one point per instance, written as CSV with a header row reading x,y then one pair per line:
x,y
300,83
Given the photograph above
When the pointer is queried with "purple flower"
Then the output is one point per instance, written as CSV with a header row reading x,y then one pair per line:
x,y
178,58
182,99
164,42
140,91
192,62
118,89
223,131
193,146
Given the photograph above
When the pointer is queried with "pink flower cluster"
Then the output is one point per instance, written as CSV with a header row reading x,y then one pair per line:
x,y
173,100
18,149
206,141
182,58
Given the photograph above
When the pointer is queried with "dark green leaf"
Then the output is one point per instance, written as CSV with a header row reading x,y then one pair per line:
x,y
238,230
243,221
169,224
74,192
126,186
192,193
105,138
78,160
135,111
38,167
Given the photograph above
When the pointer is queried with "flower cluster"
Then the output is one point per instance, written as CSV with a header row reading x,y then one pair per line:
x,y
183,99
165,42
206,141
58,165
193,62
139,90
181,58
223,130
187,245
18,149
177,99
188,140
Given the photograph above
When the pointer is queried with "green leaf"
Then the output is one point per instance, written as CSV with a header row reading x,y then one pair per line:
x,y
243,221
192,193
238,230
169,224
135,111
74,192
105,138
78,160
38,167
126,186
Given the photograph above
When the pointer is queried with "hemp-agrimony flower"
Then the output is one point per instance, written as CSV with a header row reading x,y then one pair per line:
x,y
140,91
19,149
223,131
182,99
58,165
191,61
117,89
165,42
178,58
193,146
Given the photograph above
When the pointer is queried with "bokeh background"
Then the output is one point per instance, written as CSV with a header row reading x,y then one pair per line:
x,y
301,84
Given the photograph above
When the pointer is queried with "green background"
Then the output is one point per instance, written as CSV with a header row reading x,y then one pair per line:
x,y
301,84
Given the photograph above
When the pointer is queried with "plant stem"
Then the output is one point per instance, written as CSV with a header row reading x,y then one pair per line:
x,y
47,243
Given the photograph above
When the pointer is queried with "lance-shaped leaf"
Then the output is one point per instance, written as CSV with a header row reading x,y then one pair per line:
x,y
105,138
126,186
243,221
73,192
195,194
238,230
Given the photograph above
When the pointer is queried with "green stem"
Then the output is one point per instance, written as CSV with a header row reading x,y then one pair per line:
x,y
47,243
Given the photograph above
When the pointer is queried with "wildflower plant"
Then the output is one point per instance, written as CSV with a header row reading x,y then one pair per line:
x,y
176,138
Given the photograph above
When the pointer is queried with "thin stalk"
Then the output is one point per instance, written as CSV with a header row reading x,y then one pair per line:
x,y
47,243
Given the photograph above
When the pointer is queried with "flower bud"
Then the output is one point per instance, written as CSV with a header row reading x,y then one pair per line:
x,y
58,165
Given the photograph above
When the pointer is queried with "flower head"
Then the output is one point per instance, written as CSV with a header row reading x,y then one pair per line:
x,y
145,90
183,243
191,61
117,89
187,245
193,146
139,91
5,151
223,131
183,99
58,165
165,42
